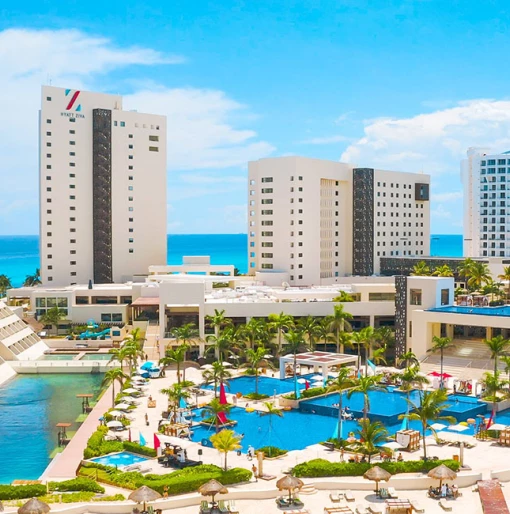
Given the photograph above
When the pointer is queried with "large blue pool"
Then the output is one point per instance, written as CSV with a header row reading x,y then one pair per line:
x,y
119,459
483,311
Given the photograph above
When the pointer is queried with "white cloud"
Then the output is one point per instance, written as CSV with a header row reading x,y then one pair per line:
x,y
440,212
327,140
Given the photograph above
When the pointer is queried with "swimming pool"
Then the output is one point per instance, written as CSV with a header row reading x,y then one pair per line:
x,y
58,357
119,459
96,357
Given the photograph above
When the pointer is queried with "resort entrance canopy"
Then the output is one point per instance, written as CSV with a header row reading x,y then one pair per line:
x,y
322,360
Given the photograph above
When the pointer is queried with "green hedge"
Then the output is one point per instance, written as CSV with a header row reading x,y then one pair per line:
x,y
17,492
324,468
256,396
97,446
272,451
307,393
137,448
179,482
76,484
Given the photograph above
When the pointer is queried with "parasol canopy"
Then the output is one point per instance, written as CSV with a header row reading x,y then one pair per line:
x,y
377,474
34,506
114,424
212,488
441,473
143,495
289,483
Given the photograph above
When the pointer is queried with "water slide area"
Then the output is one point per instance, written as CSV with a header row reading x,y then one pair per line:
x,y
95,335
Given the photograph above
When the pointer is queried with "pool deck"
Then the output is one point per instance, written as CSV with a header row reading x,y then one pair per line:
x,y
65,464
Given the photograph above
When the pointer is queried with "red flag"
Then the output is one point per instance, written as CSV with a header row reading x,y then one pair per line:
x,y
307,384
222,418
157,442
489,423
223,396
129,435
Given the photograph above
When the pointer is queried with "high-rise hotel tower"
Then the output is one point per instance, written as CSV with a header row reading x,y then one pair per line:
x,y
102,188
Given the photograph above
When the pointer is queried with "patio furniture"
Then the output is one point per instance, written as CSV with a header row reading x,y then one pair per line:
x,y
416,506
444,506
223,507
383,493
361,509
349,496
335,497
338,510
396,506
204,507
374,509
392,493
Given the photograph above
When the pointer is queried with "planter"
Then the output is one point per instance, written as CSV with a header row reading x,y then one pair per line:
x,y
501,405
285,402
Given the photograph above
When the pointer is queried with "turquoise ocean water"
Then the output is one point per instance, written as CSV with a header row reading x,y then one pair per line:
x,y
19,255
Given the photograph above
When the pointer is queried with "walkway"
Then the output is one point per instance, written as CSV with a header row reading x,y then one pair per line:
x,y
65,464
491,496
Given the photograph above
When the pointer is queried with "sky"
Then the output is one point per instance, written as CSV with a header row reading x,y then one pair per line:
x,y
403,85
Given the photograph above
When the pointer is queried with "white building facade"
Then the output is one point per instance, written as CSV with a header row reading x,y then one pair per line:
x,y
102,188
318,220
485,176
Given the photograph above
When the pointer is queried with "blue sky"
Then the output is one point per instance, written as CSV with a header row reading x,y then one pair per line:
x,y
403,85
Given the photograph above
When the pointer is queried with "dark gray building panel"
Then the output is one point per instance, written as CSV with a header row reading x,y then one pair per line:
x,y
400,315
363,221
421,192
102,195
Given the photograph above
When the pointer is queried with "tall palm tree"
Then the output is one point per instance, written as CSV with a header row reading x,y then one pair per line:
x,y
271,410
364,385
310,326
216,375
136,337
226,441
110,377
369,341
493,385
430,408
33,280
421,269
411,378
443,271
214,409
187,333
218,321
506,360
255,332
379,356
221,345
464,269
120,355
408,359
385,336
497,345
175,393
294,344
440,344
176,356
324,333
479,275
5,283
493,288
281,322
371,435
254,360
343,297
339,322
341,383
53,316
505,276
133,352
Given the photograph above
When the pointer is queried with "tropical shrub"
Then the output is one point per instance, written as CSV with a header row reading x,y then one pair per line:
x,y
272,451
17,492
76,484
137,448
256,396
307,393
97,446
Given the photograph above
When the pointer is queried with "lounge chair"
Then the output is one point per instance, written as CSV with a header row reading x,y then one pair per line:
x,y
349,496
383,493
444,505
204,508
223,508
416,506
361,509
374,509
334,497
392,493
133,467
338,510
232,507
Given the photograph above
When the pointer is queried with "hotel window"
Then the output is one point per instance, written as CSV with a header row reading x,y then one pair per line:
x,y
130,188
130,209
267,190
72,175
130,177
130,198
122,123
48,155
48,144
72,142
153,138
72,230
72,131
415,296
49,256
130,230
130,147
50,279
72,197
445,297
48,98
72,208
48,234
48,133
131,250
131,240
267,266
267,223
48,223
48,166
72,164
48,211
130,157
72,154
153,148
48,200
72,186
48,121
73,273
130,168
50,267
267,255
73,263
267,179
73,252
72,219
72,241
131,220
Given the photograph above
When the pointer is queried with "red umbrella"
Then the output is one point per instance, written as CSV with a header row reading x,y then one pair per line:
x,y
447,375
435,374
223,396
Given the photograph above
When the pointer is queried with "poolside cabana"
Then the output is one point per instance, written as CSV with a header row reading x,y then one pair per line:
x,y
320,361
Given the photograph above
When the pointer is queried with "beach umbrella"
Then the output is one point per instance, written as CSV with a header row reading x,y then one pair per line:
x,y
289,483
207,366
441,473
377,474
316,378
129,399
115,413
392,445
458,427
34,506
131,390
212,488
302,380
144,494
497,426
147,365
227,364
268,356
122,406
114,424
437,426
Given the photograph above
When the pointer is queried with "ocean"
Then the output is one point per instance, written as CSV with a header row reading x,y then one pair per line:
x,y
19,255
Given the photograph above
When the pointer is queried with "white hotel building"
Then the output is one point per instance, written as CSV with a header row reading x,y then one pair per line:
x,y
485,176
318,220
102,189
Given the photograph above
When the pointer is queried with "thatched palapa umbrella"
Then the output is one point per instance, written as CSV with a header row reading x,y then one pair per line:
x,y
377,474
289,483
212,488
34,506
143,495
441,473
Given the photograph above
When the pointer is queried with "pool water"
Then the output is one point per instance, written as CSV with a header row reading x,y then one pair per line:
x,y
96,357
30,407
58,357
119,459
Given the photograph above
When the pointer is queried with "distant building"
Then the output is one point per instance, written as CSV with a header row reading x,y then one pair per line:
x,y
485,176
102,188
318,220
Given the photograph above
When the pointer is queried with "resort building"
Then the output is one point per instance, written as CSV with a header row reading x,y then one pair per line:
x,y
485,176
102,189
320,220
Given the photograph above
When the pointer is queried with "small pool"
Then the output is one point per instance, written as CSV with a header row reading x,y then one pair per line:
x,y
96,357
119,459
58,357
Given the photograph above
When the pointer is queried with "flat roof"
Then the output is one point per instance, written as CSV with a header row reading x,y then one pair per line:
x,y
320,358
146,301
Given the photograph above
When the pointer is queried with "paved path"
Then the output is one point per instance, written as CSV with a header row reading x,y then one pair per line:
x,y
67,462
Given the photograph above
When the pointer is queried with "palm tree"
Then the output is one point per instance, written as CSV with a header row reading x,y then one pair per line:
x,y
464,269
341,383
176,394
5,283
432,404
281,322
271,410
214,409
310,326
254,333
497,345
421,269
493,288
371,435
385,336
53,316
132,351
506,360
33,280
493,385
110,377
408,359
176,356
364,385
343,297
254,361
295,343
226,441
440,344
221,345
479,275
120,355
324,333
379,356
218,374
339,322
411,378
136,337
186,333
443,271
505,276
218,321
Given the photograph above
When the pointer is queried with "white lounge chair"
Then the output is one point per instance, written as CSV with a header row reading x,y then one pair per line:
x,y
334,497
392,493
361,509
444,505
349,496
374,509
416,506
